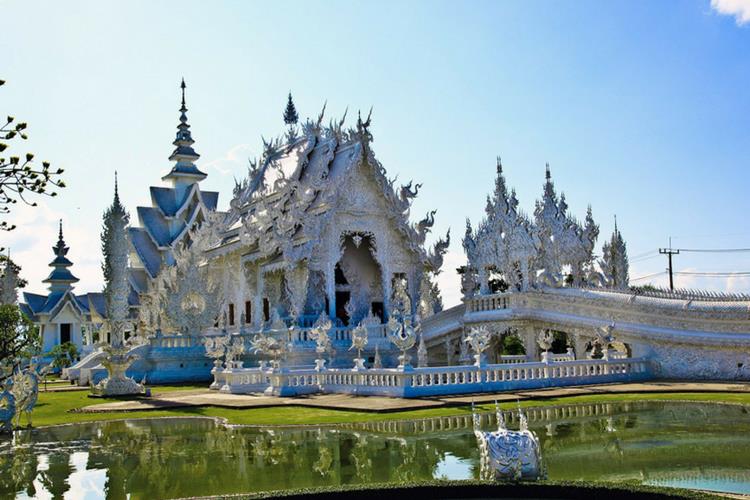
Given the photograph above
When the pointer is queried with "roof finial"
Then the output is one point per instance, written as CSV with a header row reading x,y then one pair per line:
x,y
117,194
499,165
290,113
60,235
546,173
182,86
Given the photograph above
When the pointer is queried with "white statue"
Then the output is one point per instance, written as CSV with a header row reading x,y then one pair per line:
x,y
320,334
479,340
359,341
403,336
544,340
116,247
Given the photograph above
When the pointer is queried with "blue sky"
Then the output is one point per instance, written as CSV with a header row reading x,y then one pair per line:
x,y
641,108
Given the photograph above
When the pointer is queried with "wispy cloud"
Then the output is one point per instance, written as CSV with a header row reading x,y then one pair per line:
x,y
31,245
449,280
234,161
740,9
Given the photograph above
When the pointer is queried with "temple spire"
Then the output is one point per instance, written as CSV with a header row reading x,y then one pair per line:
x,y
290,113
184,171
60,279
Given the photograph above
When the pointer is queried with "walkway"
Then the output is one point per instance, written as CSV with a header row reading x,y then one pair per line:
x,y
205,397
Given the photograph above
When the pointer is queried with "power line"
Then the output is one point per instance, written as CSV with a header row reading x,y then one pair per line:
x,y
716,274
714,250
648,276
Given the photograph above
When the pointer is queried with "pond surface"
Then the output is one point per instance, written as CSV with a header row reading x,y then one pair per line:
x,y
672,444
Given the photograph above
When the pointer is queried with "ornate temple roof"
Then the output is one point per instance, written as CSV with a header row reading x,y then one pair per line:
x,y
184,155
60,279
292,188
174,209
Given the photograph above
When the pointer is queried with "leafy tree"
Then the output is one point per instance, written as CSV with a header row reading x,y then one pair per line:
x,y
63,355
512,345
18,335
20,282
22,178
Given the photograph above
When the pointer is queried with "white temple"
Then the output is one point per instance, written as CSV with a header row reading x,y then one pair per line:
x,y
317,259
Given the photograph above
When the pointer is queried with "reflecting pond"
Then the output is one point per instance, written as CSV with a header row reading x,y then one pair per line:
x,y
673,444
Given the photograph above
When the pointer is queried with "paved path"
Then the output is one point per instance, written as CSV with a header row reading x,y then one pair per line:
x,y
205,397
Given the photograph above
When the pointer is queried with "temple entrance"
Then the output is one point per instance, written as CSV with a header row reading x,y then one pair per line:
x,y
342,298
358,279
64,333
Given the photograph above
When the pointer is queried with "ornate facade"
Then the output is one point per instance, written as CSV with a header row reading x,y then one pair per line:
x,y
318,226
509,251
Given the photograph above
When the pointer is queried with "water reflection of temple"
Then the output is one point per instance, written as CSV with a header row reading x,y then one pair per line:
x,y
183,457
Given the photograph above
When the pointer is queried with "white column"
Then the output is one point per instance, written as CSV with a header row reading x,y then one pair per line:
x,y
258,305
331,289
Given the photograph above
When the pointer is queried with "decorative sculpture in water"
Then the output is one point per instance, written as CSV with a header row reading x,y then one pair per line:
x,y
506,454
479,340
359,341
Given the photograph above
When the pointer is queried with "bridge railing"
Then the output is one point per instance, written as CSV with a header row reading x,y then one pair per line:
x,y
416,382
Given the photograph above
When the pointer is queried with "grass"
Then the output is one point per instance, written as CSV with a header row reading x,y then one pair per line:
x,y
56,408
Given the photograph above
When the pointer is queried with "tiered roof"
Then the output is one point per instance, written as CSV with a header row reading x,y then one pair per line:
x,y
173,211
291,190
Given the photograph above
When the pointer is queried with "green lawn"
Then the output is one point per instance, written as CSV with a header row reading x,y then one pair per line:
x,y
55,408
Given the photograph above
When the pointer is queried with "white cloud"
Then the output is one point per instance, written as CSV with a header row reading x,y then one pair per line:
x,y
233,161
31,245
449,280
740,9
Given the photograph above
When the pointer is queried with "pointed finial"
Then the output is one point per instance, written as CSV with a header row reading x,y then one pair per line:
x,y
546,173
60,235
182,86
499,165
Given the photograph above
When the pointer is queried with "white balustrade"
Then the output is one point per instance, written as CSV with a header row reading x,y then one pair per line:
x,y
432,381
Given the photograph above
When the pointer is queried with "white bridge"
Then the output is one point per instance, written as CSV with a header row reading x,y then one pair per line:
x,y
699,337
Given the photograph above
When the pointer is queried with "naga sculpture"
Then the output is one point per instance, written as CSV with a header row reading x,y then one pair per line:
x,y
506,454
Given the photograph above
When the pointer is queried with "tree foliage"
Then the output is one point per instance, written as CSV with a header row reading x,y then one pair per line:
x,y
63,355
21,178
18,335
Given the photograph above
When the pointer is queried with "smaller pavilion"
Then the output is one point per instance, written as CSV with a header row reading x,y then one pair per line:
x,y
62,316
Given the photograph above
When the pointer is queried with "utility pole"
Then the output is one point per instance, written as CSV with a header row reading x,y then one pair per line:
x,y
669,252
